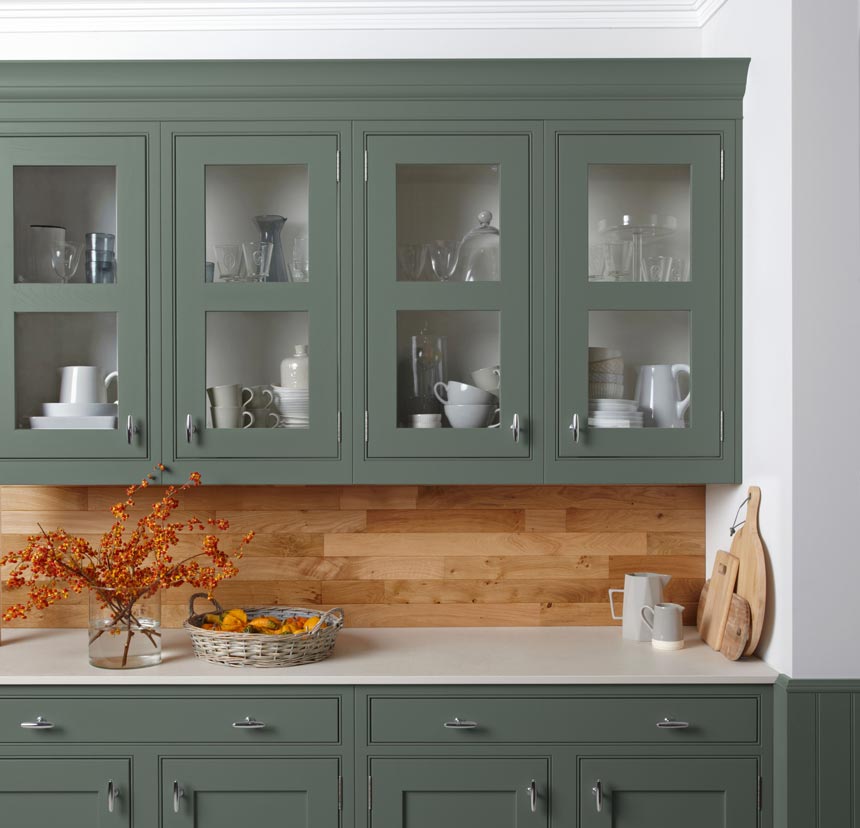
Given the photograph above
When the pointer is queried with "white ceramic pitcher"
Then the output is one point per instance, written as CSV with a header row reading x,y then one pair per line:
x,y
658,395
641,589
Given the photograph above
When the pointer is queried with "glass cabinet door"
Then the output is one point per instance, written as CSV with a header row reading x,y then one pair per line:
x,y
73,297
638,312
448,343
257,239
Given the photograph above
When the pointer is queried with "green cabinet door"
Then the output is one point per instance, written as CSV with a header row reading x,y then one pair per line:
x,y
459,793
234,326
231,791
668,793
54,191
448,298
75,793
637,363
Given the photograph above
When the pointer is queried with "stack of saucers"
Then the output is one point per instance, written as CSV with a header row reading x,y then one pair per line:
x,y
608,413
292,406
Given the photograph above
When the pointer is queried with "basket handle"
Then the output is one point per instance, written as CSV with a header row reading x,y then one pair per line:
x,y
316,630
195,596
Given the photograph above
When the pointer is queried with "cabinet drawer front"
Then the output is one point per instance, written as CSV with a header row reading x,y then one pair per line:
x,y
287,719
466,720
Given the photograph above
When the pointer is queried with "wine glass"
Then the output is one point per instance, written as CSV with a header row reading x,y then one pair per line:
x,y
443,258
65,259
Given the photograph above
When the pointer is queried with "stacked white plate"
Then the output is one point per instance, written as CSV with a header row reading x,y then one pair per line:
x,y
76,415
608,413
292,406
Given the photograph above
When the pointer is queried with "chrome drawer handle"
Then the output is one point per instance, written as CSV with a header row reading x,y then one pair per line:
x,y
670,724
39,724
459,724
249,723
178,793
532,790
112,795
597,791
574,428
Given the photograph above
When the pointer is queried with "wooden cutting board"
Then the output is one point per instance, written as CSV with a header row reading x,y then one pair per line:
x,y
752,572
718,600
737,630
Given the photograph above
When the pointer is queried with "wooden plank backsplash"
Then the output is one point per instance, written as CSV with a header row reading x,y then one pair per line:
x,y
395,556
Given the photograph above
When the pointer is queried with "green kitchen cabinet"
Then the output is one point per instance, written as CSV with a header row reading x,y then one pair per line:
x,y
459,793
449,291
236,790
60,307
78,793
651,792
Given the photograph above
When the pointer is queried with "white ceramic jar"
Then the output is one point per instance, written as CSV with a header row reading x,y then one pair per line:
x,y
294,369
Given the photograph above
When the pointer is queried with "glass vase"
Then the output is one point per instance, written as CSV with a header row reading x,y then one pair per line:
x,y
122,635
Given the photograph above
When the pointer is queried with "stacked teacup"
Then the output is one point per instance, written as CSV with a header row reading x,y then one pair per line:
x,y
260,401
467,406
225,407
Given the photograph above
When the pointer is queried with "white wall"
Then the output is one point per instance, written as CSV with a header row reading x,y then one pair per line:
x,y
762,31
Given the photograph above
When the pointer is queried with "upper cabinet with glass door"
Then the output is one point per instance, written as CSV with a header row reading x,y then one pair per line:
x,y
448,350
73,290
256,361
638,323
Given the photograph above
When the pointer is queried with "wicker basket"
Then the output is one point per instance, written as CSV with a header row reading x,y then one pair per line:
x,y
257,650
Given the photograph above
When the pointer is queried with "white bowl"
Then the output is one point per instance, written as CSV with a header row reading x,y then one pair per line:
x,y
58,409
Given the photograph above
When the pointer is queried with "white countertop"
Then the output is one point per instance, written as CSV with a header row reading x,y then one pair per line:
x,y
548,655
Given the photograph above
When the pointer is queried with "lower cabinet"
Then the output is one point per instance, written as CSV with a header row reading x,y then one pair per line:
x,y
459,793
230,791
74,793
668,793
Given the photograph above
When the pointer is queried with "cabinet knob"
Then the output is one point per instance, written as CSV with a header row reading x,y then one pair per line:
x,y
574,428
112,795
178,793
249,723
597,792
460,724
671,724
39,724
190,428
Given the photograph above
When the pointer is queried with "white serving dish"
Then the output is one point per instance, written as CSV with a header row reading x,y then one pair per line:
x,y
73,422
58,409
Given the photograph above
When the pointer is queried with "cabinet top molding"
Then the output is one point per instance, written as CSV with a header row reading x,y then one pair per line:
x,y
639,79
345,15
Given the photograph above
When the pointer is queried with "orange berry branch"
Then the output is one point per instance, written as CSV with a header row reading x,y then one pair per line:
x,y
132,561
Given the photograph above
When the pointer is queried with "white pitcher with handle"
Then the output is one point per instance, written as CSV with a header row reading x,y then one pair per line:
x,y
641,589
659,396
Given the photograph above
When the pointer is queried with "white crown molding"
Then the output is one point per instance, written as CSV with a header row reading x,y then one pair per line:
x,y
72,16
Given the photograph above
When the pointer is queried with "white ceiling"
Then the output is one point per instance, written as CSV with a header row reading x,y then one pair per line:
x,y
32,16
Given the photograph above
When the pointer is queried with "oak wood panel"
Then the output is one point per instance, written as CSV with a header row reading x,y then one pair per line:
x,y
410,555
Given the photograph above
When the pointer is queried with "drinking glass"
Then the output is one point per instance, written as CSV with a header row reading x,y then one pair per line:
x,y
301,261
618,261
65,259
229,257
258,258
656,268
443,258
410,262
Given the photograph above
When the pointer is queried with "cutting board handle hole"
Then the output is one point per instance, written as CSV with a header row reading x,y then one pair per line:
x,y
722,569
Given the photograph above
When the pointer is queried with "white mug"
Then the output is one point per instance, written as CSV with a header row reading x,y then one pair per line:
x,y
264,418
229,396
658,395
458,393
260,396
488,379
84,384
666,625
231,417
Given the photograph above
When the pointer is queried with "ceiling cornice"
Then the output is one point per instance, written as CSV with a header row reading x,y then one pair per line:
x,y
31,16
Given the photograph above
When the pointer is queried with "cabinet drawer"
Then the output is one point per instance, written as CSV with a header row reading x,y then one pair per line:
x,y
466,720
288,719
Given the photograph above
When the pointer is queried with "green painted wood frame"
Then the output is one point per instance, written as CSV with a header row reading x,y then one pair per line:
x,y
126,298
317,298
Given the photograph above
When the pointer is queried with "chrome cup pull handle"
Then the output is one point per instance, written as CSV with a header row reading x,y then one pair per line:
x,y
112,795
532,791
574,428
249,723
39,724
190,428
460,724
515,428
597,792
671,724
178,793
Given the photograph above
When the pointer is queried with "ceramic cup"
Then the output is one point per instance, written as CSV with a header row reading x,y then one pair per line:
x,y
229,396
666,625
257,397
231,417
471,416
264,418
458,393
84,384
426,421
488,379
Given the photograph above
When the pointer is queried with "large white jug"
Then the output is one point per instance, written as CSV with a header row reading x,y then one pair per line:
x,y
641,589
658,395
